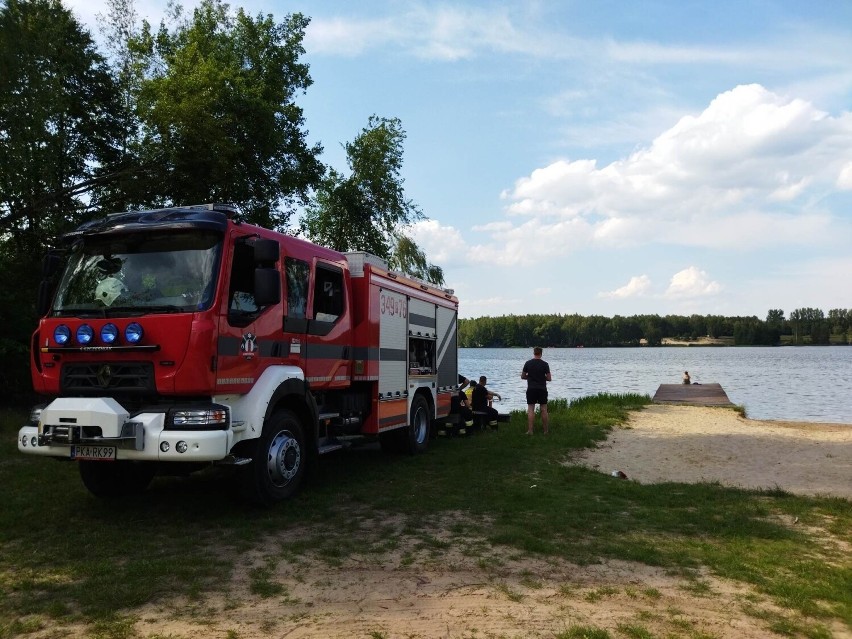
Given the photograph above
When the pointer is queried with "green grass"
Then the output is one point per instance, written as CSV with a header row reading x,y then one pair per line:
x,y
66,556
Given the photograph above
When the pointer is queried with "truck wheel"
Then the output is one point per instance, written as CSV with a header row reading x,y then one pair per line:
x,y
116,479
278,467
418,426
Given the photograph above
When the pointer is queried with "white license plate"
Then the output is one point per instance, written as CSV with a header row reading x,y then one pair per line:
x,y
93,453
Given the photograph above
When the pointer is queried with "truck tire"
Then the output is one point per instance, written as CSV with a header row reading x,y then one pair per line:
x,y
419,423
278,467
116,479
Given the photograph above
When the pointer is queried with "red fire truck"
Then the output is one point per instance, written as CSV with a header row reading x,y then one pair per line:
x,y
180,337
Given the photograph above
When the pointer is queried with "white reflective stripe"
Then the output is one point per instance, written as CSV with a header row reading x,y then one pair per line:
x,y
443,340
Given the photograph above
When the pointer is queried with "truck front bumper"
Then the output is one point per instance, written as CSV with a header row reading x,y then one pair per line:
x,y
101,424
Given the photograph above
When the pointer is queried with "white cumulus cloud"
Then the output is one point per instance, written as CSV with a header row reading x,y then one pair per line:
x,y
638,285
844,180
751,154
692,282
443,245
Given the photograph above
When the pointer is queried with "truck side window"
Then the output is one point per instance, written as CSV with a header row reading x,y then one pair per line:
x,y
242,308
298,276
328,293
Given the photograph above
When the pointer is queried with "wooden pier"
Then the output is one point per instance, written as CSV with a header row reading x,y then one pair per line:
x,y
692,394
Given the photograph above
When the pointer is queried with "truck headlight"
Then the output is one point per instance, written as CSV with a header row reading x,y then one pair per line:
x,y
213,417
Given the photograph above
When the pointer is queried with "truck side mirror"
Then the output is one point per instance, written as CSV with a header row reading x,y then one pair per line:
x,y
267,286
50,264
266,252
45,295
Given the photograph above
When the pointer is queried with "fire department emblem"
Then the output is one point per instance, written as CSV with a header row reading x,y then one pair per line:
x,y
249,345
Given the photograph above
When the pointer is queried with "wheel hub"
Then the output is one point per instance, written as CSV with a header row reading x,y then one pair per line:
x,y
284,458
421,425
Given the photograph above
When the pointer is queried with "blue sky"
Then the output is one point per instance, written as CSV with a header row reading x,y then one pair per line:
x,y
610,158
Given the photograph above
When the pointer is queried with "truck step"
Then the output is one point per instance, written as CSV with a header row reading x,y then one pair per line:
x,y
331,447
231,460
332,443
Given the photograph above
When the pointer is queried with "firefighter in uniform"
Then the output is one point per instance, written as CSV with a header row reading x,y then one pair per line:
x,y
461,405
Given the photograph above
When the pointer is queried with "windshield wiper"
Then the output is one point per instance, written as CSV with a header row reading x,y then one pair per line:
x,y
165,308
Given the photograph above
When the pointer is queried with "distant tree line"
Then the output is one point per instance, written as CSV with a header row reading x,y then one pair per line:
x,y
804,326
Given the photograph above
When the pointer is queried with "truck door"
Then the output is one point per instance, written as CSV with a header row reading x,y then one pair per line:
x,y
328,353
298,275
246,328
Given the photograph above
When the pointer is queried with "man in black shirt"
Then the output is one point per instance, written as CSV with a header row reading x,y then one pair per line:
x,y
480,400
537,373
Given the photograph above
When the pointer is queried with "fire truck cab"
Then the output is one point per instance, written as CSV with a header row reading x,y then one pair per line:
x,y
185,337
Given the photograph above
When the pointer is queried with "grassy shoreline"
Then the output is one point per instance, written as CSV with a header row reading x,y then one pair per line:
x,y
66,557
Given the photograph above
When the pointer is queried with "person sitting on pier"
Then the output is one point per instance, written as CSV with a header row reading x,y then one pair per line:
x,y
481,399
686,379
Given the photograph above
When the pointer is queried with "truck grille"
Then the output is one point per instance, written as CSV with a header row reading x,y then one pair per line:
x,y
99,377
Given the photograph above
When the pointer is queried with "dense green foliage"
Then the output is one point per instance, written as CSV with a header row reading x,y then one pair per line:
x,y
805,326
57,108
490,496
219,121
368,210
57,104
200,111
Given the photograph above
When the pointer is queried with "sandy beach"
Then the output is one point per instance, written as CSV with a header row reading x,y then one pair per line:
x,y
693,444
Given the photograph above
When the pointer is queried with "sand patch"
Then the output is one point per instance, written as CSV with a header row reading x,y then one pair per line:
x,y
688,444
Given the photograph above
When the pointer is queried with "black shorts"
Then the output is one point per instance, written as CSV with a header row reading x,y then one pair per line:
x,y
536,396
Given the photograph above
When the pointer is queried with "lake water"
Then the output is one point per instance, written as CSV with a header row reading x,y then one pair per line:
x,y
808,383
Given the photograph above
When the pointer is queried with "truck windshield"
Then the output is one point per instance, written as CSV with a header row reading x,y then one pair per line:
x,y
158,272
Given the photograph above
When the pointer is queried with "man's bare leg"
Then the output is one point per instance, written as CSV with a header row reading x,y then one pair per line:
x,y
544,417
530,418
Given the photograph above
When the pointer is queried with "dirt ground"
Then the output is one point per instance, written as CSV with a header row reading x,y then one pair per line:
x,y
459,598
473,592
